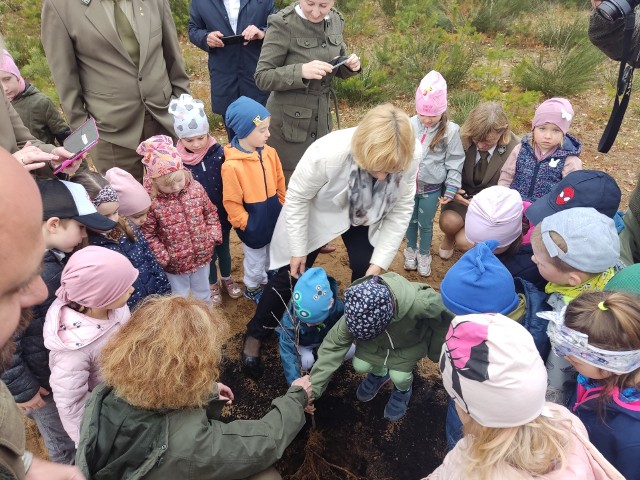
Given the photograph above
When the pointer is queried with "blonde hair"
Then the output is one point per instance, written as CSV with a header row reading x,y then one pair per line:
x,y
538,244
483,120
384,140
441,133
168,180
535,448
167,355
615,328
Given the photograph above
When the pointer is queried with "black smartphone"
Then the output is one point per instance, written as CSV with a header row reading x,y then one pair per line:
x,y
336,62
233,39
466,196
82,140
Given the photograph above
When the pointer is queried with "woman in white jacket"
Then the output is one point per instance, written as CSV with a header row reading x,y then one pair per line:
x,y
358,183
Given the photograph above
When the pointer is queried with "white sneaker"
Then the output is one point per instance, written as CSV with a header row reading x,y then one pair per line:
x,y
410,260
424,265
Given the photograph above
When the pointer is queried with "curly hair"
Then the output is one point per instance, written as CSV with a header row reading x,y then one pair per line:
x,y
167,355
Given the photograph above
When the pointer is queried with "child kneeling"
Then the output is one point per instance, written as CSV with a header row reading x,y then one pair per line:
x,y
395,323
313,310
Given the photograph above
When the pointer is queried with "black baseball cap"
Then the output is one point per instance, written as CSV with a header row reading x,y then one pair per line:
x,y
581,188
70,200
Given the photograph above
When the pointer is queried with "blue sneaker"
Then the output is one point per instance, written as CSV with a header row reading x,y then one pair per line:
x,y
370,386
397,404
254,295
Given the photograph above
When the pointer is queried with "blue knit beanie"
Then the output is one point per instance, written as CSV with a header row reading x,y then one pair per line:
x,y
368,308
244,115
479,283
312,296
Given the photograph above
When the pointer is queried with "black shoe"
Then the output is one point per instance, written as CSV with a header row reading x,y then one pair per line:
x,y
252,366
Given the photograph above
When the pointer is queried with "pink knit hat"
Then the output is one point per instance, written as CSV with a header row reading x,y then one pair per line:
x,y
493,371
555,110
94,277
431,95
7,64
132,196
494,214
159,156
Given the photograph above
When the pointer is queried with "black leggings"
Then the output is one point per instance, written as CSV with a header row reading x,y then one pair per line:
x,y
277,292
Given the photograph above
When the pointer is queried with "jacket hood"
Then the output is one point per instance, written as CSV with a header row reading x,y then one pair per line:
x,y
571,146
232,153
66,329
27,92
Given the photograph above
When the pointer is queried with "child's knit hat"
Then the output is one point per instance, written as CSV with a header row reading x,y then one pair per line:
x,y
592,240
582,188
494,214
132,196
95,276
626,280
555,110
368,308
493,371
431,95
189,119
7,64
312,296
244,115
479,283
159,156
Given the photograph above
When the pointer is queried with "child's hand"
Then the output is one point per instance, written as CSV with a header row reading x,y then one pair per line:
x,y
305,383
445,200
225,393
310,409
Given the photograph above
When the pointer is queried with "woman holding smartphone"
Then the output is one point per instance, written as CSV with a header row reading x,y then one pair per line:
x,y
295,66
231,63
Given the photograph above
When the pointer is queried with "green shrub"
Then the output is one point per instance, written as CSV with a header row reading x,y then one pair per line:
x,y
491,16
363,89
560,73
555,32
180,10
460,104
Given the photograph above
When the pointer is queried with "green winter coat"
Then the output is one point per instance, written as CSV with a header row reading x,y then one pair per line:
x,y
119,441
300,109
40,115
417,329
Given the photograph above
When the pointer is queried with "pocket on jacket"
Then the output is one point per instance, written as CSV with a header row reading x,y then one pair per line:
x,y
335,39
99,94
295,123
307,42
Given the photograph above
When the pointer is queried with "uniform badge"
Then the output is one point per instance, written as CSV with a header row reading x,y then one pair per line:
x,y
502,149
85,2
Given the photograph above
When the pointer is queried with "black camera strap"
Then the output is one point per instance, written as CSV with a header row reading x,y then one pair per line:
x,y
625,82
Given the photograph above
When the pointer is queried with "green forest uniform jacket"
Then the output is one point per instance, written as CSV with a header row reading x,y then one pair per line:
x,y
119,441
300,108
40,115
417,329
12,437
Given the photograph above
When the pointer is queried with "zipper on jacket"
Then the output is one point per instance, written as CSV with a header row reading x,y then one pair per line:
x,y
535,175
388,351
264,176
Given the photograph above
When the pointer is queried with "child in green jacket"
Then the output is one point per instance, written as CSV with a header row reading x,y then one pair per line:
x,y
394,323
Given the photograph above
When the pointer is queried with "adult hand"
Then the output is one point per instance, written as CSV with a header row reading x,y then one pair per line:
x,y
316,70
297,266
41,470
595,3
36,403
32,158
374,270
305,383
252,33
63,154
225,393
310,408
460,199
213,39
353,63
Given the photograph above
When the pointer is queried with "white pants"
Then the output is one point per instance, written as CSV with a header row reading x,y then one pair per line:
x,y
196,283
307,360
255,265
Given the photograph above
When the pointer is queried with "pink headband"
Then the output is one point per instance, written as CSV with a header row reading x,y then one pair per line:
x,y
94,277
159,156
7,64
431,95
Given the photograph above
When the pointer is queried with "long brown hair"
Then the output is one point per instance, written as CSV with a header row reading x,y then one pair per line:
x,y
441,133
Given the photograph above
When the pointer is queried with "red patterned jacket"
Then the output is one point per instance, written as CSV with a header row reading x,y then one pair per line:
x,y
182,229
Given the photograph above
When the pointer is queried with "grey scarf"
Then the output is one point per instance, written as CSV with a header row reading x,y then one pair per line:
x,y
369,201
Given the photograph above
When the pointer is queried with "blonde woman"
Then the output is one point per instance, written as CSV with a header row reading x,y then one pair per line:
x,y
358,183
493,372
154,417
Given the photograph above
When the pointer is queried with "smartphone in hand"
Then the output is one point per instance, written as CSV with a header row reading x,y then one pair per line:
x,y
233,39
336,62
79,142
